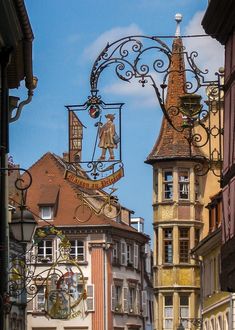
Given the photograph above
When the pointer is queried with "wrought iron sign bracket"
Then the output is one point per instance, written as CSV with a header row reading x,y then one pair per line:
x,y
127,56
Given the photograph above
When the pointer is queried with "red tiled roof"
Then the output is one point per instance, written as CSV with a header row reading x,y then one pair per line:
x,y
49,172
172,144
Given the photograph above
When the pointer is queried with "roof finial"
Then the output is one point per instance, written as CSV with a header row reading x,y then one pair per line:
x,y
178,18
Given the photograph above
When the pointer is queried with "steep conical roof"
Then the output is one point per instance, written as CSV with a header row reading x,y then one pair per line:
x,y
171,143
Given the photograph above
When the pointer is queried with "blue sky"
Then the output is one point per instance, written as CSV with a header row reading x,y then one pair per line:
x,y
69,35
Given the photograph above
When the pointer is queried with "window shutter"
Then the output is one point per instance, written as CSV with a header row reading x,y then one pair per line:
x,y
146,248
123,254
29,304
136,255
113,298
125,299
90,298
144,303
137,301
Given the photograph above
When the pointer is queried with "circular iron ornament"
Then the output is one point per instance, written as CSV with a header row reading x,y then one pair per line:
x,y
65,286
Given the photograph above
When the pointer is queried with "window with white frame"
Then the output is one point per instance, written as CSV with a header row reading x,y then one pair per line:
x,y
168,245
168,312
40,299
47,212
184,310
184,184
167,184
45,251
77,250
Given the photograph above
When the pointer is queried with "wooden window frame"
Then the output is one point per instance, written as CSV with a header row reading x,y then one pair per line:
x,y
184,245
185,183
167,185
167,241
167,317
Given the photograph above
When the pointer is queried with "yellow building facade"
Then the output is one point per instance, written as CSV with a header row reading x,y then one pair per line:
x,y
180,218
218,307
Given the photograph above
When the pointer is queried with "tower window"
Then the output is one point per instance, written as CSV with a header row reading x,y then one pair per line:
x,y
184,310
168,312
168,245
184,184
168,184
184,244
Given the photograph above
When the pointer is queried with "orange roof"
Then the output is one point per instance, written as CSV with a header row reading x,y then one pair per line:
x,y
48,172
172,144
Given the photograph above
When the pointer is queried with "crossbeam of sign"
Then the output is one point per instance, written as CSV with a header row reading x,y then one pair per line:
x,y
94,184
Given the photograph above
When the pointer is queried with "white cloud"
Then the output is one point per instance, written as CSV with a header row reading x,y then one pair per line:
x,y
210,52
138,96
116,33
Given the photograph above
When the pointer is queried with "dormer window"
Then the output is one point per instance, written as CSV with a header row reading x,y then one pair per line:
x,y
48,201
47,212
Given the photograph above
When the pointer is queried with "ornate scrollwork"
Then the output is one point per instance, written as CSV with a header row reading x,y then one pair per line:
x,y
59,282
147,59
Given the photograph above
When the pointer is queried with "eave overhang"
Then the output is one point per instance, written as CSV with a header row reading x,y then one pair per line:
x,y
16,36
218,20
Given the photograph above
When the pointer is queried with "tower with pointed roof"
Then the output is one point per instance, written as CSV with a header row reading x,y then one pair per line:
x,y
177,211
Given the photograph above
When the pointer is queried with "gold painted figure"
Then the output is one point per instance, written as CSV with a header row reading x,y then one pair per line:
x,y
106,135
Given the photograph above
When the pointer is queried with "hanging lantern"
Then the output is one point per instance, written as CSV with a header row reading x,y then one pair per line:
x,y
190,104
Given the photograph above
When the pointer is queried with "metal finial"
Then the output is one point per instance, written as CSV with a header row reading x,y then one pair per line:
x,y
178,18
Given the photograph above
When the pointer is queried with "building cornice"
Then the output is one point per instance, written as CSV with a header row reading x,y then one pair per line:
x,y
218,20
210,242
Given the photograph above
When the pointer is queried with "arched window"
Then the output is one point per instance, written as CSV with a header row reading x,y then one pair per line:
x,y
220,323
212,324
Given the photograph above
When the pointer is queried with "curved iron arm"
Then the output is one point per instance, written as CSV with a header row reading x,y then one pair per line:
x,y
127,56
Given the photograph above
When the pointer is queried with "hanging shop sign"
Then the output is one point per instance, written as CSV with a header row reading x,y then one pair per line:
x,y
95,143
94,184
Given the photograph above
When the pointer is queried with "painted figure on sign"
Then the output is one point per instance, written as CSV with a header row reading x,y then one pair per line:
x,y
107,135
